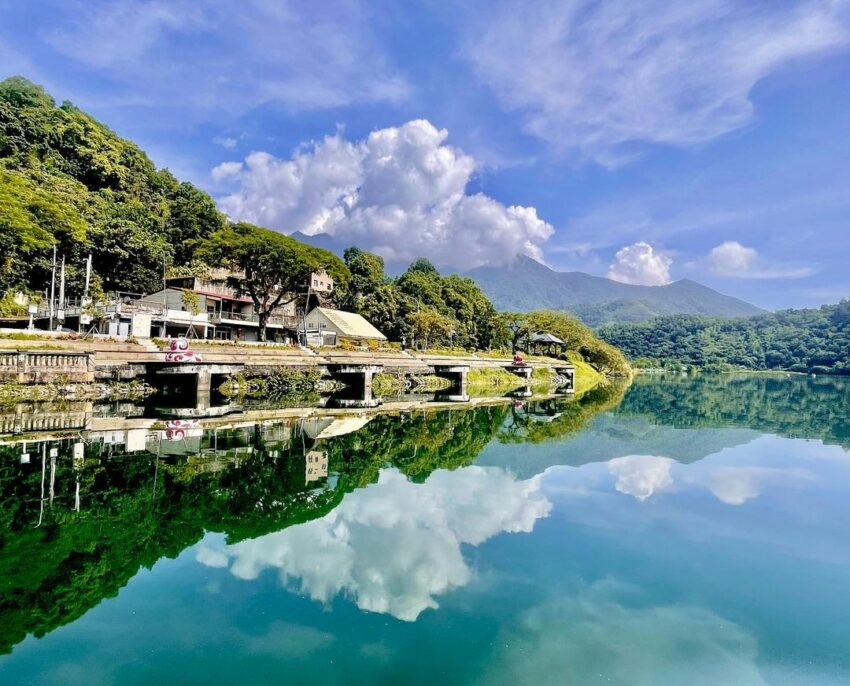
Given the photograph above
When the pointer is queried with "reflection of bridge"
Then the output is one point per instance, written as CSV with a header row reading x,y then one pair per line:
x,y
46,419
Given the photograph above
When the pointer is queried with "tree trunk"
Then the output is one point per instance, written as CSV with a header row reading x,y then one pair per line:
x,y
262,318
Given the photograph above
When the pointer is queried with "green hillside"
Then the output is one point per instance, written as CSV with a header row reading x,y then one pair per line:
x,y
65,177
526,284
811,340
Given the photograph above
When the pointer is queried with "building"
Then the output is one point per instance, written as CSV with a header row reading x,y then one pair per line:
x,y
209,308
546,344
327,327
316,466
321,282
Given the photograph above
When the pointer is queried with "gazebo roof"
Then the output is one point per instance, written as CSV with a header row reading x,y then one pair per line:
x,y
546,338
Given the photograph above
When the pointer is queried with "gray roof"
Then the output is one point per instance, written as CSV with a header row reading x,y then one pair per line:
x,y
546,338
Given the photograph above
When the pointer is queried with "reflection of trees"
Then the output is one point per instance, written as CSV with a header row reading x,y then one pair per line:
x,y
137,508
796,406
547,420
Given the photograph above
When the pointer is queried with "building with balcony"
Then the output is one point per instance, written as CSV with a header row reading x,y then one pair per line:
x,y
213,310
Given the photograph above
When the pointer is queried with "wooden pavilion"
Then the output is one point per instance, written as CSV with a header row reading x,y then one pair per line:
x,y
542,343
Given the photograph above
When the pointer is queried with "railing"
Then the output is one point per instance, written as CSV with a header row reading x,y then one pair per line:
x,y
29,366
286,321
43,421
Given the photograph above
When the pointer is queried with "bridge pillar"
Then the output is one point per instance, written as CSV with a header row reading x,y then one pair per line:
x,y
456,373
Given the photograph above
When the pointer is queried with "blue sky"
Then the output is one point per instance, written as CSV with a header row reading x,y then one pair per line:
x,y
652,141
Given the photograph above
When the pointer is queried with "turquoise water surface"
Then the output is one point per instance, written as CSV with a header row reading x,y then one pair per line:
x,y
685,531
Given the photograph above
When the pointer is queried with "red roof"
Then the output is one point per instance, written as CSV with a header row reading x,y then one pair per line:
x,y
223,296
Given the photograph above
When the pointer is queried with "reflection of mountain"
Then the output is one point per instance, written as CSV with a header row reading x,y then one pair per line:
x,y
570,640
58,559
142,497
612,435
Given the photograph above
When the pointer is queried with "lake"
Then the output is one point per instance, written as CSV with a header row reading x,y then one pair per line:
x,y
681,531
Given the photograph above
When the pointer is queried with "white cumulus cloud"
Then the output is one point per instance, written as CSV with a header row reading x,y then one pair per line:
x,y
400,192
395,545
596,78
640,264
730,258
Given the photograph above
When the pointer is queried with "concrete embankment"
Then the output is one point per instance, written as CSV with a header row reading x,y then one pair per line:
x,y
51,360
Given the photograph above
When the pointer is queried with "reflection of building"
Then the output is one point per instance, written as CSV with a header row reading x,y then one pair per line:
x,y
316,466
326,327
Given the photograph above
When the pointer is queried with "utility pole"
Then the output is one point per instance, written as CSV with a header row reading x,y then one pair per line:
x,y
61,312
52,288
88,278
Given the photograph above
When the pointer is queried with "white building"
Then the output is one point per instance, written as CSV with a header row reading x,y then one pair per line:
x,y
326,327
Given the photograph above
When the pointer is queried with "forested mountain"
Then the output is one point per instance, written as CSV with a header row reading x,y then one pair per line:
x,y
810,340
525,283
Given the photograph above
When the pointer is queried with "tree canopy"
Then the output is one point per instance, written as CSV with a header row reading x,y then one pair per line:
x,y
808,340
271,266
68,180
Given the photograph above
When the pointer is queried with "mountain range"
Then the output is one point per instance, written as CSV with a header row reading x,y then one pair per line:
x,y
525,284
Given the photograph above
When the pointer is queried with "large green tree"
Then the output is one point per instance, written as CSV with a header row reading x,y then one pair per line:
x,y
273,269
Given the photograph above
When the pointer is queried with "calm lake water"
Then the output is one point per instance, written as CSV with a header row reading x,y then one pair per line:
x,y
689,531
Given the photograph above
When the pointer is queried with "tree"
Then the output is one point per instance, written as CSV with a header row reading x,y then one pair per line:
x,y
428,324
271,268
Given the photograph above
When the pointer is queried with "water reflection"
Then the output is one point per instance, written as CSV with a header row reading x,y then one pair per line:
x,y
646,543
392,546
610,633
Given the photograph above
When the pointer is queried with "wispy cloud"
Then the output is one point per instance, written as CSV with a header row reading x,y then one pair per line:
x,y
601,79
225,56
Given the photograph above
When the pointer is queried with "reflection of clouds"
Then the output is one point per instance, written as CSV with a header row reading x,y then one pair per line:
x,y
596,637
394,545
287,641
641,475
736,485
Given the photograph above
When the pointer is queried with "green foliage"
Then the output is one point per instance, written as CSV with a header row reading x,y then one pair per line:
x,y
274,266
795,405
457,298
430,325
812,340
578,337
68,180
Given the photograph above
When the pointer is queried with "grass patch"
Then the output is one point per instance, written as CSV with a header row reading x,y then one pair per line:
x,y
586,376
493,379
